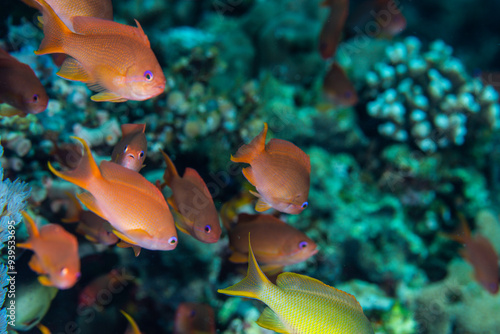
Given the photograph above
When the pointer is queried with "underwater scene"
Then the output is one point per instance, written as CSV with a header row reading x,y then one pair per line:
x,y
249,166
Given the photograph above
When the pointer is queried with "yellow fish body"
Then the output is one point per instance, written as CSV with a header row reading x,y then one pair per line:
x,y
134,207
300,304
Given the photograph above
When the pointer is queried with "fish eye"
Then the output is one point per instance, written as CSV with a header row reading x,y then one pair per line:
x,y
348,95
208,229
78,275
303,244
35,98
141,154
172,240
125,148
148,75
64,271
304,205
192,313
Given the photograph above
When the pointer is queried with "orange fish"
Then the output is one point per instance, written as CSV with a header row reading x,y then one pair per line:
x,y
131,150
275,243
90,225
331,32
66,10
481,254
194,318
113,59
279,171
192,200
338,88
20,88
56,254
134,207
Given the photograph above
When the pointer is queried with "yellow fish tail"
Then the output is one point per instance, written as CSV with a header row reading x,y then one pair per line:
x,y
253,284
87,171
248,152
54,31
170,171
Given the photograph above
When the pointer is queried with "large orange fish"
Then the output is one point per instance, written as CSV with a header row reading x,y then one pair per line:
x,y
66,10
279,171
134,207
20,88
131,150
331,32
194,318
113,59
192,199
56,254
338,88
481,254
275,243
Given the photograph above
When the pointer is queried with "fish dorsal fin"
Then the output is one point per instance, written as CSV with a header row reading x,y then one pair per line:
x,y
193,176
30,225
270,320
280,146
170,172
132,128
116,173
86,25
248,152
292,281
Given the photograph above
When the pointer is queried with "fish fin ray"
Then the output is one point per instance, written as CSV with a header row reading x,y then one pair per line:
x,y
270,320
31,225
107,96
91,203
262,205
280,146
248,152
170,172
293,281
73,70
248,173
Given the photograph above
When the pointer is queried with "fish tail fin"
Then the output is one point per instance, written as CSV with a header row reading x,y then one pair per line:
x,y
248,152
254,283
75,217
170,172
85,173
30,225
54,31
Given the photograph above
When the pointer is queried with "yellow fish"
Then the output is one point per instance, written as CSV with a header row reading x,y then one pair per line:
x,y
300,304
134,207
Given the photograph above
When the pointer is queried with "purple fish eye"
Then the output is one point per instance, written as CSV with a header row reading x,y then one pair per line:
x,y
148,75
125,148
303,244
141,154
172,240
304,205
78,275
208,229
35,98
192,313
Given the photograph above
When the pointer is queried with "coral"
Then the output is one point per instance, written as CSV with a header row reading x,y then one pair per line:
x,y
427,98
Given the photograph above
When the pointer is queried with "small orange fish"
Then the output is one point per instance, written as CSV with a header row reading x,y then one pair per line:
x,y
135,208
338,88
275,243
481,254
192,200
331,32
90,225
279,171
131,150
113,59
133,328
66,10
56,254
20,88
194,318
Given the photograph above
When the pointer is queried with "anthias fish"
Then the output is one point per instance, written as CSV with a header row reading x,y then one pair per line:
x,y
131,150
55,255
134,207
113,59
338,88
20,88
279,171
331,32
192,199
300,304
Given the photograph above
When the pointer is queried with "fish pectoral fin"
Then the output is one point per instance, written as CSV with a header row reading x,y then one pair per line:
x,y
268,319
8,111
34,264
123,244
73,70
91,203
248,173
237,257
44,280
107,97
132,234
262,206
